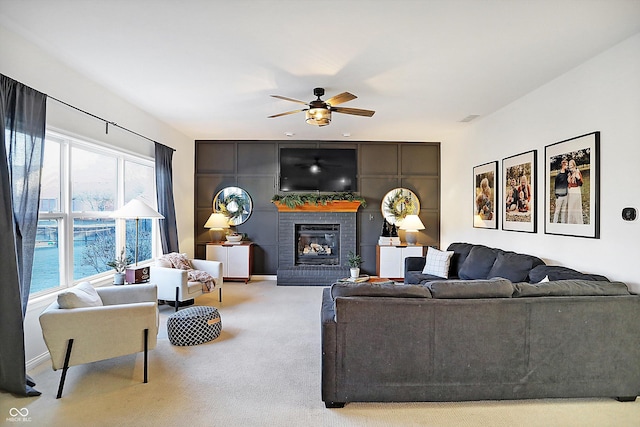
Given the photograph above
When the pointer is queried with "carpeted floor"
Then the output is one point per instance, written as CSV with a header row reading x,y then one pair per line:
x,y
264,370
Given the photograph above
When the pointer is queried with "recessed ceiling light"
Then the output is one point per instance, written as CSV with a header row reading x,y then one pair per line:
x,y
289,134
346,134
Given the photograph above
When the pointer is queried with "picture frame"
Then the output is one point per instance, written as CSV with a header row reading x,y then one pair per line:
x,y
519,187
485,195
573,208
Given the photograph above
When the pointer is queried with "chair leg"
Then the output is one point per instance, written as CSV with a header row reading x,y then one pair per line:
x,y
177,302
64,368
146,353
220,294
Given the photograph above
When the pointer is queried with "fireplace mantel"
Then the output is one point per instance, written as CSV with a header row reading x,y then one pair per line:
x,y
332,206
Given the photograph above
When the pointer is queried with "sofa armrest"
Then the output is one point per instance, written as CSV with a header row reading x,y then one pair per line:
x,y
214,268
167,280
414,263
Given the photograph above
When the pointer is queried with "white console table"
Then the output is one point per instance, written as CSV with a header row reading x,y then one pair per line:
x,y
390,259
237,259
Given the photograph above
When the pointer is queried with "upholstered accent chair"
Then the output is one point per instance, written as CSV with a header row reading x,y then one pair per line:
x,y
87,324
174,283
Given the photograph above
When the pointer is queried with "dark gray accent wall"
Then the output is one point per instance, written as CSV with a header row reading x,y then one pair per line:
x,y
253,166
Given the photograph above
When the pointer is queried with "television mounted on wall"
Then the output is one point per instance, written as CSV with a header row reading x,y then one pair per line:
x,y
318,169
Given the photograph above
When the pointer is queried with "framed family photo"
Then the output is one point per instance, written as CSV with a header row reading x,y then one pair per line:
x,y
572,186
485,196
519,197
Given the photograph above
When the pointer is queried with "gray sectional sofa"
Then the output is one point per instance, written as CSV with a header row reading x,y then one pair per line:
x,y
478,339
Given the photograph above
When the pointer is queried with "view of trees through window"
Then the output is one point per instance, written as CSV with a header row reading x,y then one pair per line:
x,y
76,235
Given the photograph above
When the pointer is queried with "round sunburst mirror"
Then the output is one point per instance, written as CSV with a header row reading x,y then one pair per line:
x,y
234,203
398,203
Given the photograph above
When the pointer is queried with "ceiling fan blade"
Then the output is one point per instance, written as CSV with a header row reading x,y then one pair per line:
x,y
289,99
287,113
354,111
340,98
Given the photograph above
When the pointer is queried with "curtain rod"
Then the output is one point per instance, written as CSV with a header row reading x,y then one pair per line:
x,y
107,122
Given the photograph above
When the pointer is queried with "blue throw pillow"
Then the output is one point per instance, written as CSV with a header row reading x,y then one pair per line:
x,y
512,266
478,264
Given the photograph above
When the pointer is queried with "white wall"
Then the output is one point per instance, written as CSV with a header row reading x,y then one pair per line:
x,y
26,63
603,95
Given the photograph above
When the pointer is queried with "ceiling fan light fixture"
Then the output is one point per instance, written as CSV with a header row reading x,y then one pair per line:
x,y
318,116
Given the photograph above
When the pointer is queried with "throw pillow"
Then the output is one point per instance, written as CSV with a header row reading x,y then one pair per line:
x,y
81,295
512,266
437,263
478,263
163,262
179,261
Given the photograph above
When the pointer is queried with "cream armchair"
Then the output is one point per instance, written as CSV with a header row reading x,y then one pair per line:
x,y
174,285
112,321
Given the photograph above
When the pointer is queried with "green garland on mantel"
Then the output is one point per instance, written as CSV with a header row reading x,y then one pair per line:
x,y
298,199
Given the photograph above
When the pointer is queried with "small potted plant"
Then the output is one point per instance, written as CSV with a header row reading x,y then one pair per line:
x,y
354,262
119,265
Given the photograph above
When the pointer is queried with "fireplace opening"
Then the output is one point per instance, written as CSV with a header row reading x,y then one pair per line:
x,y
318,244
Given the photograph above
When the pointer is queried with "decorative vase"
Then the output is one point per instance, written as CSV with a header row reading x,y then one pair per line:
x,y
355,272
118,279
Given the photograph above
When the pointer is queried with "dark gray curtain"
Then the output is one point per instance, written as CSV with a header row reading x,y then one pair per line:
x,y
164,193
22,120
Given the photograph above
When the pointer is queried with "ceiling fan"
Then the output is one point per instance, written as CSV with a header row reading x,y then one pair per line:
x,y
319,112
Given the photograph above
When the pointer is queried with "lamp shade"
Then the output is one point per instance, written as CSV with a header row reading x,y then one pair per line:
x,y
217,221
411,223
136,209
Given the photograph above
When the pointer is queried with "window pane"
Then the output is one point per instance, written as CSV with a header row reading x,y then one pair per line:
x,y
94,241
94,181
46,261
144,239
138,182
50,188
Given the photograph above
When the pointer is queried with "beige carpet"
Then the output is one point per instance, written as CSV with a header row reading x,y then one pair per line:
x,y
264,370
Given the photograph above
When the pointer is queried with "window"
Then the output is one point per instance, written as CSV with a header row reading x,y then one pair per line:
x,y
82,184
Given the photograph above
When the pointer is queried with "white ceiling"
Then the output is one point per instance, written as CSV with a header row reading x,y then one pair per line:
x,y
207,68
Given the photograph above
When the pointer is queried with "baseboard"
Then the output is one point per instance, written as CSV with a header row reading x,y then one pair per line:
x,y
37,361
264,277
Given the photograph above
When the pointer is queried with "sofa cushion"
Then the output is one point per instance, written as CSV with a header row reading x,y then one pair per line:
x,y
460,254
380,289
570,288
437,263
512,266
487,288
81,295
555,272
478,263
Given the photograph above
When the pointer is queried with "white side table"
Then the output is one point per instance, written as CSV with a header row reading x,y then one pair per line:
x,y
237,259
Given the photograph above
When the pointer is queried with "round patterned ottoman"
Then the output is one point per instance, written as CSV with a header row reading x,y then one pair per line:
x,y
194,325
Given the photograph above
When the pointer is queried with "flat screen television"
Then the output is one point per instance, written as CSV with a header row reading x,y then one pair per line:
x,y
318,169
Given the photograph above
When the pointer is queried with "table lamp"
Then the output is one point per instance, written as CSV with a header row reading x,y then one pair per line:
x,y
217,221
411,224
